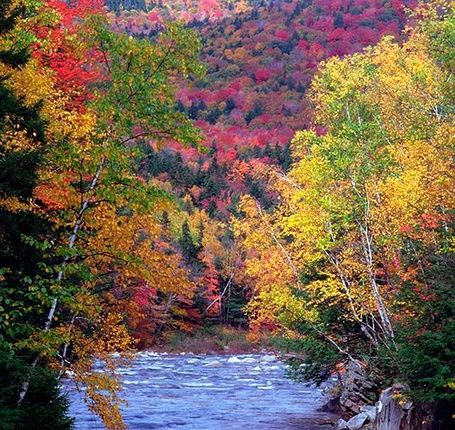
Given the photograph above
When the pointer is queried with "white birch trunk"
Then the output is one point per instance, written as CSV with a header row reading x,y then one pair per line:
x,y
54,303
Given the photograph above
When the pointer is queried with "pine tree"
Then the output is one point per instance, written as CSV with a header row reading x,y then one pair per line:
x,y
189,249
21,259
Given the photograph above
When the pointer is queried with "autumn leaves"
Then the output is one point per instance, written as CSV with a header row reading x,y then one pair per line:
x,y
353,258
80,102
365,214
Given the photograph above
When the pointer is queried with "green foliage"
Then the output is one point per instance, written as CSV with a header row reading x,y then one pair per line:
x,y
139,90
18,173
90,222
426,354
45,408
118,5
233,313
189,248
311,359
26,117
365,222
22,263
15,54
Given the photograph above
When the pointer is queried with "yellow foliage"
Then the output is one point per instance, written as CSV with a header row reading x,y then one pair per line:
x,y
380,177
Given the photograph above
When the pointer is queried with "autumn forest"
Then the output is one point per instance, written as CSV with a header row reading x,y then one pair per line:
x,y
283,168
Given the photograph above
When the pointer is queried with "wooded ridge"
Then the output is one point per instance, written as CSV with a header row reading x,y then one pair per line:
x,y
282,167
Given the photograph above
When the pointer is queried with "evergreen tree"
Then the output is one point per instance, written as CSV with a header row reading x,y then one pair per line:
x,y
189,249
213,115
45,406
20,259
285,158
426,338
268,150
230,105
338,22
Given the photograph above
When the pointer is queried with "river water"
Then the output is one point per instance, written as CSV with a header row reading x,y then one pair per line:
x,y
210,392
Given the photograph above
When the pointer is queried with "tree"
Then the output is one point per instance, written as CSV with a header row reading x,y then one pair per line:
x,y
362,238
190,250
92,226
23,260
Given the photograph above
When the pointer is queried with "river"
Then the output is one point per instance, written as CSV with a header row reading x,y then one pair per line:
x,y
208,392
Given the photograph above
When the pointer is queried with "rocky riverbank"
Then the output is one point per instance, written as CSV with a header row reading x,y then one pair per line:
x,y
354,398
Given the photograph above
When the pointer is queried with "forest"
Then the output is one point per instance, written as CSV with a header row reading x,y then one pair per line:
x,y
283,168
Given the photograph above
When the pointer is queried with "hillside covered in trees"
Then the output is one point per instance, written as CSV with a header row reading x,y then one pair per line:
x,y
284,167
259,59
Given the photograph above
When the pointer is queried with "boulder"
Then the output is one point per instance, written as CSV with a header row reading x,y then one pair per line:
x,y
395,412
249,360
268,359
341,424
357,388
357,421
390,412
370,411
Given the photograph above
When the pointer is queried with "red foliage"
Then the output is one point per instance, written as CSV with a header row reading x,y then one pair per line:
x,y
406,228
303,44
282,35
270,67
153,16
336,34
229,156
144,294
73,72
430,221
262,75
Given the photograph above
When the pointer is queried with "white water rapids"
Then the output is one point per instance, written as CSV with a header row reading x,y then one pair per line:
x,y
210,392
